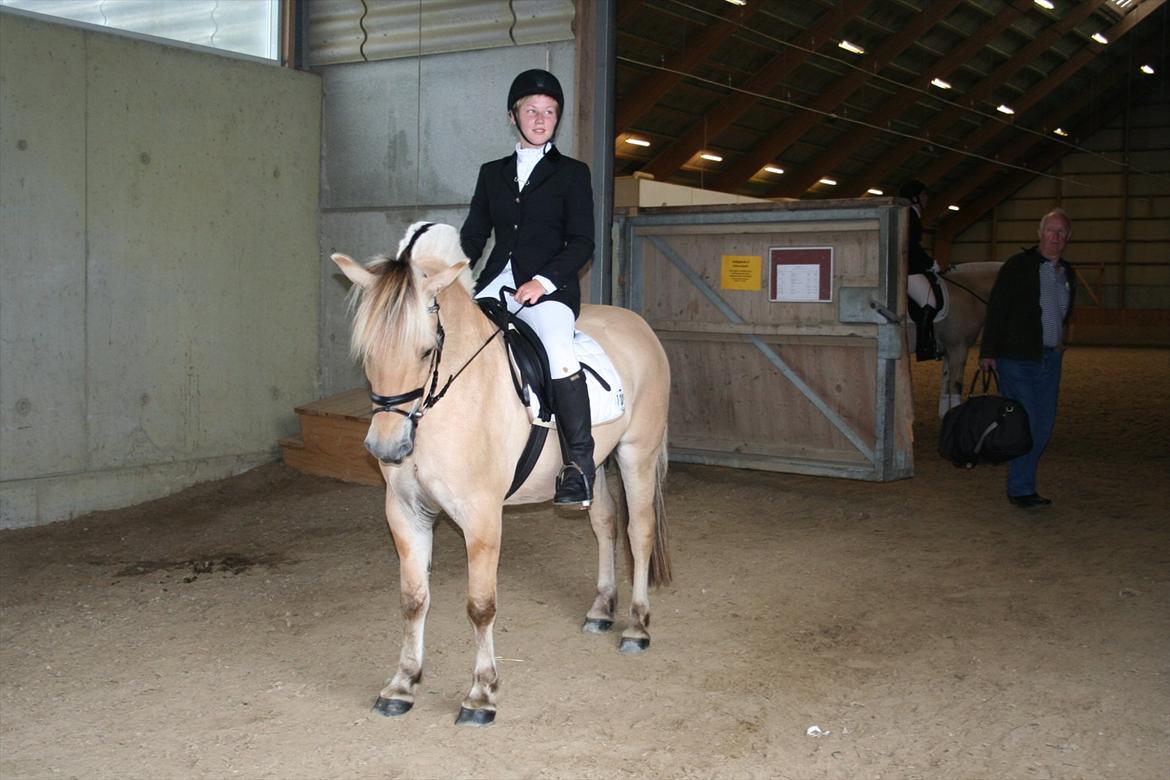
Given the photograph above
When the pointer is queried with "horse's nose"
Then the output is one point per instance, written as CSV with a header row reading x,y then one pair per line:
x,y
391,451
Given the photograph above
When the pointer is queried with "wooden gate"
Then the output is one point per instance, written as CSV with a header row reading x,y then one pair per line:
x,y
783,323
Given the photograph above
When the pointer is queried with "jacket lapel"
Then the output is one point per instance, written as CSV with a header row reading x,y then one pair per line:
x,y
544,169
509,174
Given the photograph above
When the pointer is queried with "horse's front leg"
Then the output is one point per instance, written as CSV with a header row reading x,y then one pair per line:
x,y
413,537
482,537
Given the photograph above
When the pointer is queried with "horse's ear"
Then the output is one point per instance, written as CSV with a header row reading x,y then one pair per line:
x,y
354,270
436,274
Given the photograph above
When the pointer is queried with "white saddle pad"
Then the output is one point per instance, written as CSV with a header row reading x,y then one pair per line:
x,y
604,405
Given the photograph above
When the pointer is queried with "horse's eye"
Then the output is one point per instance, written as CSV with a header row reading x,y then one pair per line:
x,y
427,353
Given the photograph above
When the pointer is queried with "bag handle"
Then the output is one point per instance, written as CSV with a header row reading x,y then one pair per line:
x,y
987,377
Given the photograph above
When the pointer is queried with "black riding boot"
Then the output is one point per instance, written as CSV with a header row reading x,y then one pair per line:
x,y
924,345
571,406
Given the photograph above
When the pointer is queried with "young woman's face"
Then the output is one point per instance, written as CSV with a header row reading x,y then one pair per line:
x,y
537,116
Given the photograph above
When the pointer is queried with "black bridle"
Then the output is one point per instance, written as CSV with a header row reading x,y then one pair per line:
x,y
389,403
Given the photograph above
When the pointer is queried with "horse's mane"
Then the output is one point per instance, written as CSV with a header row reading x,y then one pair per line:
x,y
391,314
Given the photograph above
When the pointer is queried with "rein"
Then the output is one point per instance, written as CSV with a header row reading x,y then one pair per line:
x,y
953,283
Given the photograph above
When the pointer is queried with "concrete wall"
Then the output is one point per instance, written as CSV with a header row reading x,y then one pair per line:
x,y
403,140
158,266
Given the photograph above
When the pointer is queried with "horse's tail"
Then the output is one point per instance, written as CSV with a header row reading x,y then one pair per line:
x,y
660,568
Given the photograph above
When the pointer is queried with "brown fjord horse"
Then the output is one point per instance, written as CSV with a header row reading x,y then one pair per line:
x,y
453,448
967,287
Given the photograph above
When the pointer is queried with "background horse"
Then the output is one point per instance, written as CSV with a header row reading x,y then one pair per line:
x,y
415,322
968,286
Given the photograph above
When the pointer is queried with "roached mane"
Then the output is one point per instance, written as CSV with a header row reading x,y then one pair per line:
x,y
391,314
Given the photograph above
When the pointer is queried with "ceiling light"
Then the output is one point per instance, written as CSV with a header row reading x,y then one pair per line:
x,y
1099,38
1148,70
1060,131
941,84
711,157
774,169
1044,4
875,191
952,207
1001,108
851,47
737,2
828,181
638,141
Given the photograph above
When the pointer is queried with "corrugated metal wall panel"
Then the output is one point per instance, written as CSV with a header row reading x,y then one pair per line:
x,y
352,30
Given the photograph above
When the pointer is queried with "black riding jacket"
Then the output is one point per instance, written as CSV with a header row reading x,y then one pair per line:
x,y
546,229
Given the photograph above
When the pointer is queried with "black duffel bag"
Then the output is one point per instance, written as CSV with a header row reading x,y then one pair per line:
x,y
985,428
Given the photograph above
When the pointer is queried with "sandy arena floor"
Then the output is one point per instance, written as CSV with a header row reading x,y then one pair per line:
x,y
243,628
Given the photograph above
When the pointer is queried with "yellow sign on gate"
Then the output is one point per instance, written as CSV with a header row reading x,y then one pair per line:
x,y
741,272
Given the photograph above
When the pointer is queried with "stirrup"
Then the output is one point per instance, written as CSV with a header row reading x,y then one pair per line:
x,y
569,493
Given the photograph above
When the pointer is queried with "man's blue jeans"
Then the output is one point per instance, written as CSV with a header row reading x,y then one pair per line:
x,y
1035,384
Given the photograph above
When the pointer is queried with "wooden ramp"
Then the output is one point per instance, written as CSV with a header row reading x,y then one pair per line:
x,y
331,440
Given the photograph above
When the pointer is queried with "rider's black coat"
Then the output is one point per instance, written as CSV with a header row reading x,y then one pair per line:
x,y
546,229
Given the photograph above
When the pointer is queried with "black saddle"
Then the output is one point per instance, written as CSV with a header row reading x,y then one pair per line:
x,y
530,374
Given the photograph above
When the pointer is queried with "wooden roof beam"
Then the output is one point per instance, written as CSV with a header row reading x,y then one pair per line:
x,y
989,130
653,88
797,182
1008,185
733,105
791,130
890,160
1019,148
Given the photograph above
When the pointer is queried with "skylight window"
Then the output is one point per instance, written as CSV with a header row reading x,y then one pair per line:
x,y
250,27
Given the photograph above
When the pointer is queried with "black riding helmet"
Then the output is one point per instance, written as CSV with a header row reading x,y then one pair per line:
x,y
911,190
535,82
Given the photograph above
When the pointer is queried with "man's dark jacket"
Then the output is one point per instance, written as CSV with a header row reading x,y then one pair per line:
x,y
546,229
1013,328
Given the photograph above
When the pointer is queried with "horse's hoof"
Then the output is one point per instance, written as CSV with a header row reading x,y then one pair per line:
x,y
633,644
474,717
392,707
596,625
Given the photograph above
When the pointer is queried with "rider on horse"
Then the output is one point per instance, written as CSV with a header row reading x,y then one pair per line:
x,y
539,204
922,283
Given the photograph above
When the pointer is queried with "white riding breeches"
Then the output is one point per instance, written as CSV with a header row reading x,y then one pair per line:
x,y
553,322
918,287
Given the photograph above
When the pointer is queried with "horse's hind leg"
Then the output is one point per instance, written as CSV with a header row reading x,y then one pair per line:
x,y
640,480
602,514
482,537
412,539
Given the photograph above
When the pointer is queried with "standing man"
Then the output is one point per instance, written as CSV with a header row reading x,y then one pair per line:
x,y
1023,340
